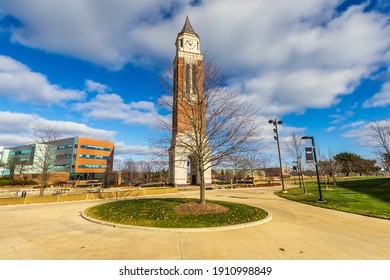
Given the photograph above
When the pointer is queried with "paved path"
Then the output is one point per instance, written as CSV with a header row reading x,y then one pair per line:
x,y
56,231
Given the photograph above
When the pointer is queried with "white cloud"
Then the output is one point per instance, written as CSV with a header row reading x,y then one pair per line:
x,y
18,82
96,31
353,124
17,128
331,128
361,132
112,106
340,118
123,149
288,55
92,86
337,118
381,99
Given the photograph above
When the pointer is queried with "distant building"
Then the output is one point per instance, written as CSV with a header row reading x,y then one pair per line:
x,y
258,174
82,158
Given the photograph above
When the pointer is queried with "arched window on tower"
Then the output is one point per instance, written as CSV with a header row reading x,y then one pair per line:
x,y
188,79
194,80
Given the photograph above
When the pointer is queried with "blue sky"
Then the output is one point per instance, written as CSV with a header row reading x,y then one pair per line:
x,y
92,68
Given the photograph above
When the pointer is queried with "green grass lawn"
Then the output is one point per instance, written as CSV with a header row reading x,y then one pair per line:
x,y
9,182
365,196
161,213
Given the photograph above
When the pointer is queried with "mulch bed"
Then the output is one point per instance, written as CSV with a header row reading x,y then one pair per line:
x,y
196,208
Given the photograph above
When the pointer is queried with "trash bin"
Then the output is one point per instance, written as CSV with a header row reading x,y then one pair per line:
x,y
24,193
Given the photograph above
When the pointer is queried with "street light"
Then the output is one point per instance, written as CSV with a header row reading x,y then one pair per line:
x,y
316,164
276,137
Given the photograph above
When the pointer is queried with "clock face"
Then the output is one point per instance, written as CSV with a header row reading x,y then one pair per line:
x,y
190,44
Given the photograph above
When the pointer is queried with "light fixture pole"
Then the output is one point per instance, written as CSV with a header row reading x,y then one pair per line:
x,y
276,137
321,199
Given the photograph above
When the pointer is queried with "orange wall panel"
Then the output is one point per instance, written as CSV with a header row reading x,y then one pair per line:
x,y
98,143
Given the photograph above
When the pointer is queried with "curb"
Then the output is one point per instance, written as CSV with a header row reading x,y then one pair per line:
x,y
156,229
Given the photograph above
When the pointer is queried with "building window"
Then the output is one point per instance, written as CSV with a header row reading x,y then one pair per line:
x,y
188,79
94,156
16,153
89,147
96,166
194,78
58,157
64,147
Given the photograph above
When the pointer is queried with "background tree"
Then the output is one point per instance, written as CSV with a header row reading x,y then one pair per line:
x,y
21,167
220,123
328,167
379,139
351,162
386,162
162,171
346,161
11,165
146,169
45,153
334,168
252,161
235,164
295,148
108,178
2,165
130,171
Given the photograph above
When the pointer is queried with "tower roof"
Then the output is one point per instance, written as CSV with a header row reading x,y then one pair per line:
x,y
187,28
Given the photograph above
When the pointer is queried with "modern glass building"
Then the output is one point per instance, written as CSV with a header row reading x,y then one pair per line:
x,y
82,158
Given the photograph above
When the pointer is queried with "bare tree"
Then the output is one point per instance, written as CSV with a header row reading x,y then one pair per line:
x,y
235,164
217,122
21,167
295,148
2,165
107,177
265,163
11,165
379,139
252,161
130,171
146,170
45,153
328,166
162,171
334,167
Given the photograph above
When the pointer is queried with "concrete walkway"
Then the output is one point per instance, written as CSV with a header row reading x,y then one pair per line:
x,y
56,231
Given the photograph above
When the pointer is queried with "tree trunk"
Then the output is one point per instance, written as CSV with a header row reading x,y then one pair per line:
x,y
202,183
42,189
303,180
202,188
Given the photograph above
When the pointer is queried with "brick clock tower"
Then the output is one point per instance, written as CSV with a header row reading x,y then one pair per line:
x,y
188,83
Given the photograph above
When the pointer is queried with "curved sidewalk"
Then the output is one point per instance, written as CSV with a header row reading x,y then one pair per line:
x,y
297,231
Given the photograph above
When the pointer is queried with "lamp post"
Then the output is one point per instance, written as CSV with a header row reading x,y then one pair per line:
x,y
316,164
276,137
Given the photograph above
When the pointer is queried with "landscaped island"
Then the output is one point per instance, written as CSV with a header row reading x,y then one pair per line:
x,y
175,213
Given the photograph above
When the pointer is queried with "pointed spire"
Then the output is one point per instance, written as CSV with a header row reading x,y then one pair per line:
x,y
187,28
